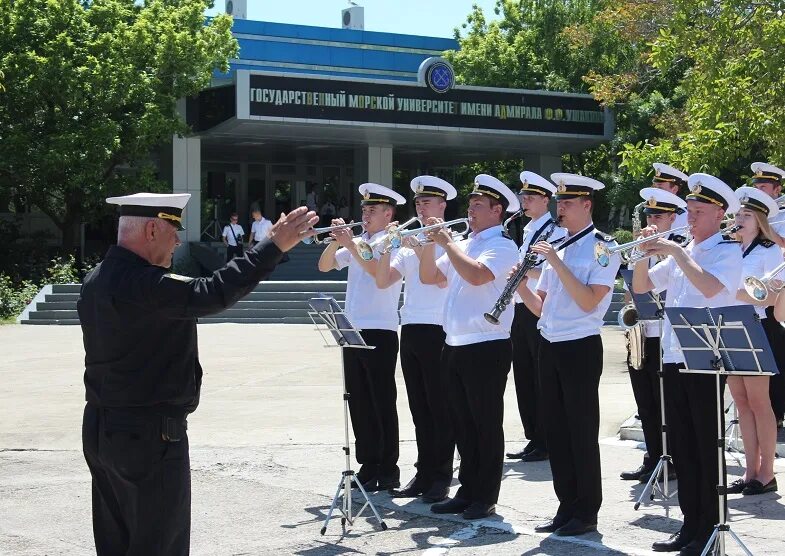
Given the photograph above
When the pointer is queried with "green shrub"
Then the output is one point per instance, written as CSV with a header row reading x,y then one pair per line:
x,y
622,236
14,298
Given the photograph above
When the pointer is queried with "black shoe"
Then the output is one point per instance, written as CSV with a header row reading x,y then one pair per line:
x,y
552,525
694,547
736,487
676,542
535,455
529,448
453,506
387,482
436,493
575,527
637,474
479,510
756,487
413,489
370,484
516,455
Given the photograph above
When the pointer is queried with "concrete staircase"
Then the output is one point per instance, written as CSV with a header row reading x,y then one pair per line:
x,y
278,302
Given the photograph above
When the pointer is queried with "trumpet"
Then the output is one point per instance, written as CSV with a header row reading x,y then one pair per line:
x,y
454,233
314,239
391,240
759,288
780,201
603,253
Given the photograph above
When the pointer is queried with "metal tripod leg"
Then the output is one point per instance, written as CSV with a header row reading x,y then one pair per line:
x,y
653,485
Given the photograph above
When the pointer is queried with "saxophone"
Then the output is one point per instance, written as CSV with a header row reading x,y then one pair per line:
x,y
634,332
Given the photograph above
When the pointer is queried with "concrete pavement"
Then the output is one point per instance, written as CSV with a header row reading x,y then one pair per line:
x,y
266,459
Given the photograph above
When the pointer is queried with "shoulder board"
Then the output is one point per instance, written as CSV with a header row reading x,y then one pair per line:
x,y
728,239
766,243
678,238
559,240
603,237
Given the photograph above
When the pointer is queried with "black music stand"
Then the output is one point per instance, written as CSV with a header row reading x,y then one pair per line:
x,y
650,307
722,341
344,335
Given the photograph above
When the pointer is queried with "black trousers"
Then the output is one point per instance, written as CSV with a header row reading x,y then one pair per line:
x,y
233,251
691,414
141,484
525,367
776,335
569,382
646,389
478,377
370,382
426,387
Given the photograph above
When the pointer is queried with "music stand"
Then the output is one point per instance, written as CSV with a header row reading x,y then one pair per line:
x,y
344,335
650,307
722,341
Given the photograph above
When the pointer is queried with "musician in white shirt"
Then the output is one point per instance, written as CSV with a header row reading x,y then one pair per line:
x,y
535,195
705,273
422,341
370,373
477,354
571,298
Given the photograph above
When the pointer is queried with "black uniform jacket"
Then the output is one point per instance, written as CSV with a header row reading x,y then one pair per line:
x,y
139,326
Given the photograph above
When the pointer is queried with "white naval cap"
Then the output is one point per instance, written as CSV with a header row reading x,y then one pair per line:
x,y
709,189
535,184
668,174
424,186
755,199
485,184
570,186
763,172
374,194
659,201
168,206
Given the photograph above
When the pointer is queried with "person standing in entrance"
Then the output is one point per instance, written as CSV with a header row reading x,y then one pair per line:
x,y
142,373
535,194
370,373
259,229
233,238
422,340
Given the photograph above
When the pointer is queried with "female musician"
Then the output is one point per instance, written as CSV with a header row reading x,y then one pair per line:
x,y
751,393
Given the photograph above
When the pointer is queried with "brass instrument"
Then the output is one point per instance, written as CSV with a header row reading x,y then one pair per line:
x,y
506,224
314,239
455,234
635,336
530,260
759,288
603,253
390,240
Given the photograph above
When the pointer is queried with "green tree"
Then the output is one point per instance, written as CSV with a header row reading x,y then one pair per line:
x,y
92,90
734,107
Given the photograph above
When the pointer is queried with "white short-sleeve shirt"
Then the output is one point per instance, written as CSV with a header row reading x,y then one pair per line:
x,y
422,303
533,232
760,260
465,306
260,228
562,319
722,259
367,306
238,231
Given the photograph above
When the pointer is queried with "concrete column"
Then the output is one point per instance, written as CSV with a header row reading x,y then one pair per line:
x,y
543,164
187,178
380,165
242,195
269,194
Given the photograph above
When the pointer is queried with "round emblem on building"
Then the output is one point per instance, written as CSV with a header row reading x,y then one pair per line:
x,y
229,7
436,73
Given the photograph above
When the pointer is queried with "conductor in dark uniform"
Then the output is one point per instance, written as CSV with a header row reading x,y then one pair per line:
x,y
142,372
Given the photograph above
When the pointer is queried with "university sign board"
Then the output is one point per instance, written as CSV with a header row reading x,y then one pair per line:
x,y
267,96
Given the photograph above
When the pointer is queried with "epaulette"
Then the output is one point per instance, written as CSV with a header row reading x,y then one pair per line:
x,y
678,239
604,237
727,239
766,243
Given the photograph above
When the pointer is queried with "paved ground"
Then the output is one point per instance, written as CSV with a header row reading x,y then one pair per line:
x,y
266,458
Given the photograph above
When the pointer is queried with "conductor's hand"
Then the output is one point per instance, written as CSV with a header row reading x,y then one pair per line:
x,y
344,236
293,227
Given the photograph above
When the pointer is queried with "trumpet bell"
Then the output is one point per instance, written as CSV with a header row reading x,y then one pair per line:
x,y
756,288
628,316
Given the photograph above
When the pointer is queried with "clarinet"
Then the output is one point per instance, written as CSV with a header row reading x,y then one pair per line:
x,y
530,260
